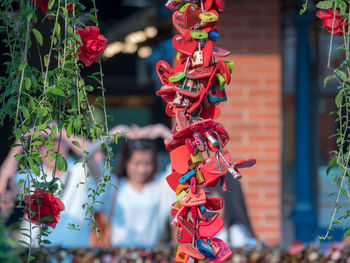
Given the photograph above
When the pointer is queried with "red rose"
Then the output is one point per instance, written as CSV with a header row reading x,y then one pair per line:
x,y
43,204
43,5
93,44
328,16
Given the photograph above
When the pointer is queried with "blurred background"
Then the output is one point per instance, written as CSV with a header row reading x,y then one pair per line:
x,y
277,111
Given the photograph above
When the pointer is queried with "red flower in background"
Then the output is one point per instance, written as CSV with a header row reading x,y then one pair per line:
x,y
43,204
93,44
43,5
328,16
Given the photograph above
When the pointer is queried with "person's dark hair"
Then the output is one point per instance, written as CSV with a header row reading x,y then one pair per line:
x,y
132,146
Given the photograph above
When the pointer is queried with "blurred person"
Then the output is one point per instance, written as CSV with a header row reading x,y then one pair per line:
x,y
139,209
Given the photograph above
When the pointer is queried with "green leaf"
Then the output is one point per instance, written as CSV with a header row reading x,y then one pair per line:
x,y
100,98
343,191
341,5
89,88
50,4
81,83
20,182
69,129
28,83
347,233
55,91
339,99
61,163
22,65
303,10
38,36
25,112
77,123
70,29
34,167
325,4
23,242
18,133
45,241
93,19
36,143
19,156
332,163
52,157
32,104
30,16
57,29
76,144
326,79
46,60
342,75
53,132
46,219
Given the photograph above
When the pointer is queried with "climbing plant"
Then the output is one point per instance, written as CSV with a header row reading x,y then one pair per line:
x,y
335,15
50,101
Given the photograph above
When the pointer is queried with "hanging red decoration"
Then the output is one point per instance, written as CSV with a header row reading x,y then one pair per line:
x,y
192,90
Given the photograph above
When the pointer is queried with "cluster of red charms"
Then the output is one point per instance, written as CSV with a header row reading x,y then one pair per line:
x,y
192,91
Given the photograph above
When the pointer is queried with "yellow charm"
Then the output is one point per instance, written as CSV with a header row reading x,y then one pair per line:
x,y
197,158
208,17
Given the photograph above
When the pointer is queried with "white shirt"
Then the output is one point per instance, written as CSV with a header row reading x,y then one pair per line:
x,y
139,217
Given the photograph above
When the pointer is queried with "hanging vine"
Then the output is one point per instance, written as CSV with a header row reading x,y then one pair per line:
x,y
51,101
335,15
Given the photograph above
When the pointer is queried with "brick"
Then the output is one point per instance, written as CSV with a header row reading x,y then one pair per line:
x,y
250,29
263,116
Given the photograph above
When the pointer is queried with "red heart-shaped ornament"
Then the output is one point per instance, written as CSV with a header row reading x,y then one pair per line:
x,y
208,53
211,165
173,180
214,203
178,22
191,16
200,72
211,112
192,251
180,158
183,236
169,111
211,228
192,199
220,5
188,225
207,4
184,46
164,72
223,251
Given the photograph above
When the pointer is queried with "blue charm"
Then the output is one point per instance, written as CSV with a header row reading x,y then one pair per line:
x,y
214,35
187,176
206,215
205,248
202,208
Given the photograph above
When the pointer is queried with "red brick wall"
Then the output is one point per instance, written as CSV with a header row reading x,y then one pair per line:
x,y
250,29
